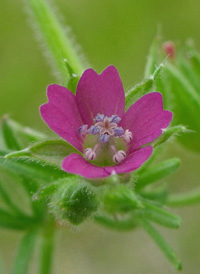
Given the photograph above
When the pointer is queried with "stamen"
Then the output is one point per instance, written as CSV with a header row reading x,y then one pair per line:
x,y
99,117
119,156
104,138
128,136
115,119
94,130
107,130
82,130
90,154
118,131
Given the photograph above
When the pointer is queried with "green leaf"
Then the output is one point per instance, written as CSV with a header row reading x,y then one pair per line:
x,y
116,224
162,244
49,151
159,215
160,194
17,136
52,151
32,169
59,43
157,172
23,259
177,88
184,199
7,199
19,222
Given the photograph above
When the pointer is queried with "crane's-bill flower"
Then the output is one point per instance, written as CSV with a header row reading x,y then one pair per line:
x,y
94,121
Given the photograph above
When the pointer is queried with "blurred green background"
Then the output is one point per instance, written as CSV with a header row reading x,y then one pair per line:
x,y
116,32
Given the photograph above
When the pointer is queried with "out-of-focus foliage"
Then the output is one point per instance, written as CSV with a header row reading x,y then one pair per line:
x,y
179,82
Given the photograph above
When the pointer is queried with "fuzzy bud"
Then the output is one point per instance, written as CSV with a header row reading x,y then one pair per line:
x,y
74,201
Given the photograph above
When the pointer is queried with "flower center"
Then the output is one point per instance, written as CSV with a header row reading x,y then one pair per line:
x,y
105,142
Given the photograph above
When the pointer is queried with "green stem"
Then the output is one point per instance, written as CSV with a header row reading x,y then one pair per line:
x,y
184,199
23,259
47,248
58,42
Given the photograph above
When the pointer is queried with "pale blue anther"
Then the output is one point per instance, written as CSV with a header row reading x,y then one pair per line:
x,y
118,131
99,117
82,130
115,119
94,130
104,138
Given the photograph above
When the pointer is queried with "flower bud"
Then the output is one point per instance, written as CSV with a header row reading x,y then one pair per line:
x,y
74,201
169,49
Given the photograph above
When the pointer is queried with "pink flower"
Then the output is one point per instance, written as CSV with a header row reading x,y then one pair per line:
x,y
95,123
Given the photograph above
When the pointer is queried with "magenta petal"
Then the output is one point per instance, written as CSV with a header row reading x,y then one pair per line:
x,y
76,164
102,94
146,119
61,114
133,161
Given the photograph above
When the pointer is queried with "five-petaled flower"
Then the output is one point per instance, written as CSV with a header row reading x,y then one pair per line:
x,y
94,121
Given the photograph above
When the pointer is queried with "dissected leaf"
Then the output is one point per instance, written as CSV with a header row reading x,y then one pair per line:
x,y
157,172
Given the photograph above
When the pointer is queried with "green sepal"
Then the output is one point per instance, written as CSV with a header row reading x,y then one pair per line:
x,y
46,191
157,172
152,58
138,91
143,88
74,201
120,199
73,78
49,151
16,136
169,133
